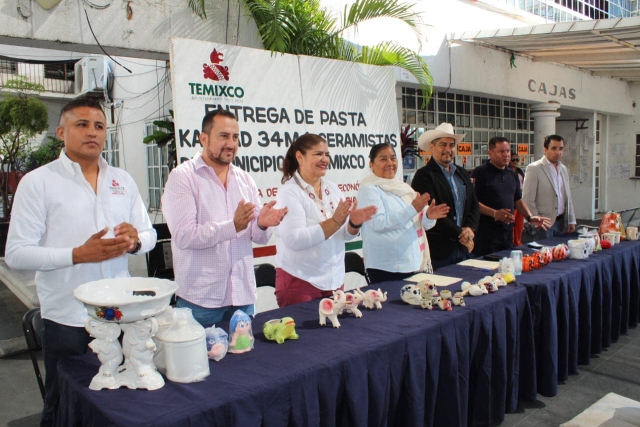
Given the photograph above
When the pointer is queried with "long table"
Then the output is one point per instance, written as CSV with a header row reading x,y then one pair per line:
x,y
580,307
397,366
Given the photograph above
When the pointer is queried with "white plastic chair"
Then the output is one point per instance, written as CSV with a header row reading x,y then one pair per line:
x,y
266,299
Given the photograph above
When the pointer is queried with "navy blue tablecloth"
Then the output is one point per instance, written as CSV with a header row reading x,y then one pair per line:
x,y
397,366
580,306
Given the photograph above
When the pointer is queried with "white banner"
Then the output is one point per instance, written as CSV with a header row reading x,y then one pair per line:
x,y
279,97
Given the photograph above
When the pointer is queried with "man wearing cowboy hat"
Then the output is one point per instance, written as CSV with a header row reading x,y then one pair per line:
x,y
451,239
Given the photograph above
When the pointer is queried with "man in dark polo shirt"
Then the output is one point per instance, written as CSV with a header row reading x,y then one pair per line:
x,y
497,188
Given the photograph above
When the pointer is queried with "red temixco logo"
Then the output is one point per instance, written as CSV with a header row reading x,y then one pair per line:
x,y
215,71
115,183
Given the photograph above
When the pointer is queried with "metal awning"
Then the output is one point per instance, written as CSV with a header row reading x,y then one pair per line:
x,y
606,47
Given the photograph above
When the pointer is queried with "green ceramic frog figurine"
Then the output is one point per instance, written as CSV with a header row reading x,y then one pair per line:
x,y
280,329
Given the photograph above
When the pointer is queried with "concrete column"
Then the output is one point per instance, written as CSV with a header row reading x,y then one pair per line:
x,y
544,123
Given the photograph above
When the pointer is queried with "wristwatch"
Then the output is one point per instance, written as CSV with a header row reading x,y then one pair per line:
x,y
137,248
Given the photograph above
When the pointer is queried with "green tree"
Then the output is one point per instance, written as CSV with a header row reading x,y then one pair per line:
x,y
22,116
303,27
47,152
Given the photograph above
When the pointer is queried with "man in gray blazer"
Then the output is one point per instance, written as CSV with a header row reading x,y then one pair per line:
x,y
546,189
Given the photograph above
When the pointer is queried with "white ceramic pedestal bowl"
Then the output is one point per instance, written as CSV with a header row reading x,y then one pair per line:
x,y
126,299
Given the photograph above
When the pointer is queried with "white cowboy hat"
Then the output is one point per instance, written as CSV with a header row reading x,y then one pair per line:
x,y
445,130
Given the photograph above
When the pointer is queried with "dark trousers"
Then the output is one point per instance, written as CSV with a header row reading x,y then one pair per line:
x,y
457,255
58,341
489,241
378,276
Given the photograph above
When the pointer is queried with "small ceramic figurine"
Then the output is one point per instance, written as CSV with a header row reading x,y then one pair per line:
x,y
445,294
240,333
279,330
488,283
373,298
331,307
109,351
427,303
428,288
458,299
217,343
138,370
445,305
411,295
499,280
473,290
351,302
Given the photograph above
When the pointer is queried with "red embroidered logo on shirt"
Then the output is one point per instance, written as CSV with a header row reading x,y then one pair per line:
x,y
116,188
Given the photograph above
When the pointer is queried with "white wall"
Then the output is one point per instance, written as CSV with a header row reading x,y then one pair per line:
x,y
579,159
151,24
623,192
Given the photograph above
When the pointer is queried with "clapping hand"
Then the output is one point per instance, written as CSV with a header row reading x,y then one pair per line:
x,y
126,229
342,212
421,201
437,211
359,216
269,216
97,249
244,215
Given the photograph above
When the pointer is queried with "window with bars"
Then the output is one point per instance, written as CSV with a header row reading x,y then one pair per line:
x,y
111,149
480,118
157,169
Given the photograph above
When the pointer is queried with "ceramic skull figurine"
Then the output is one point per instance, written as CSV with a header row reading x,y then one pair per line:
x,y
428,288
411,295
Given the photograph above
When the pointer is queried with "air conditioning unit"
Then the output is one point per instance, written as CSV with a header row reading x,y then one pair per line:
x,y
94,74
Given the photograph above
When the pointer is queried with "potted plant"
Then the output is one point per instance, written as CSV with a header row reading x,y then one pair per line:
x,y
22,116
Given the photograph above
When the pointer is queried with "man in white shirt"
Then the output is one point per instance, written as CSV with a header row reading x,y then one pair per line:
x,y
546,189
214,213
74,220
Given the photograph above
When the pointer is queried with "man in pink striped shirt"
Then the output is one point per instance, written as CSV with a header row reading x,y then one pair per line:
x,y
214,212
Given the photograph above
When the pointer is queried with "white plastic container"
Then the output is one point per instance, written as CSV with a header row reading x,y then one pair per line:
x,y
184,348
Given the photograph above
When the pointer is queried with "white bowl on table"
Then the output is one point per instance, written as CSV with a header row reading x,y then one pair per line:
x,y
126,299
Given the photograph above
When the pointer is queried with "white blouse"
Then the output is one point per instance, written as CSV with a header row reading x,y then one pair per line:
x,y
302,250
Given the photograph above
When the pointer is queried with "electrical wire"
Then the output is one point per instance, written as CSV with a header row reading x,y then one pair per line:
x,y
139,94
97,6
101,48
